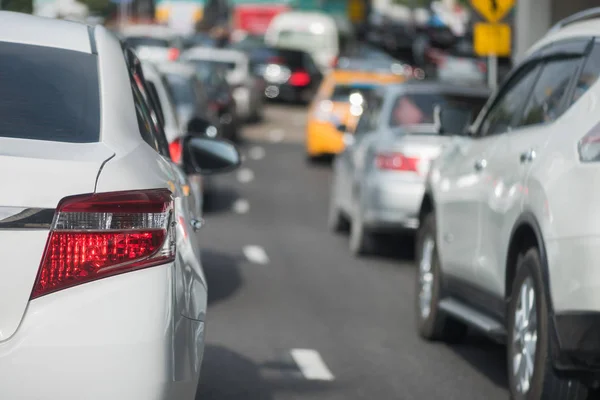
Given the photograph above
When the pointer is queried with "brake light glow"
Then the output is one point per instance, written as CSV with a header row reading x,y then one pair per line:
x,y
482,66
299,78
275,60
397,162
175,148
173,54
94,236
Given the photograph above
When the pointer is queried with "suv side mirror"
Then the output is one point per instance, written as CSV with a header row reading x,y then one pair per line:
x,y
451,120
201,127
209,156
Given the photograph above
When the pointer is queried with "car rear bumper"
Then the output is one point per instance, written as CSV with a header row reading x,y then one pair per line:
x,y
117,338
392,204
323,138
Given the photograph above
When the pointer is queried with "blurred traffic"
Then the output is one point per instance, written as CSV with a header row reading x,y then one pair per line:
x,y
344,200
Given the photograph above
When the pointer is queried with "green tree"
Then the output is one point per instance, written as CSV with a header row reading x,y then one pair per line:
x,y
24,6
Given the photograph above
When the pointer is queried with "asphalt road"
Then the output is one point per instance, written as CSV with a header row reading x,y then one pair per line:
x,y
292,315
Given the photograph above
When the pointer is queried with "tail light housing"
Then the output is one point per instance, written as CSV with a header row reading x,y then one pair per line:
x,y
94,236
276,60
589,145
400,162
334,62
173,54
176,149
482,67
299,78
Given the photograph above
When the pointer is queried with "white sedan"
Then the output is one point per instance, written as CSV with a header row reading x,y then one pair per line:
x,y
102,295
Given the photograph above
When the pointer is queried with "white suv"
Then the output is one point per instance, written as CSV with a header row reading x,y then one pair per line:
x,y
509,237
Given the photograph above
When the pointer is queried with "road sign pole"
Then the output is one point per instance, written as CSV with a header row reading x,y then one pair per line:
x,y
492,71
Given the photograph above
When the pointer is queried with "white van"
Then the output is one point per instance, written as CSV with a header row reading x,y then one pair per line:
x,y
313,32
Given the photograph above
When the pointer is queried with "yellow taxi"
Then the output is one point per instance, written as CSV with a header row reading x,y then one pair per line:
x,y
339,102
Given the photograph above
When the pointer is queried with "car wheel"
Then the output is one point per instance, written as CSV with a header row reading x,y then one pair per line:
x,y
530,373
361,240
432,322
336,222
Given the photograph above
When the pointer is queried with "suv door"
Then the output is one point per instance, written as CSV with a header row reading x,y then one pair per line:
x,y
508,165
465,176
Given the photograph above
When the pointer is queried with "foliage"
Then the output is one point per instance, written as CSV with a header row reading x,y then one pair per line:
x,y
24,6
98,7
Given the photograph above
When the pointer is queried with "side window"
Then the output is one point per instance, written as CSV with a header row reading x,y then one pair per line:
x,y
310,65
509,102
545,102
144,119
589,74
370,118
159,110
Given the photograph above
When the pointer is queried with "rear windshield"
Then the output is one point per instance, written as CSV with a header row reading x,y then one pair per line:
x,y
413,109
346,93
206,64
48,94
182,89
146,41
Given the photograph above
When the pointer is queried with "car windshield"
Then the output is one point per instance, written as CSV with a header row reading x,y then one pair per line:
x,y
208,72
300,40
215,64
413,109
201,40
140,41
48,94
352,93
181,89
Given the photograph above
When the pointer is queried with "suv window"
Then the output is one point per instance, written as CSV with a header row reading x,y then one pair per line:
x,y
589,74
48,94
144,118
510,100
546,99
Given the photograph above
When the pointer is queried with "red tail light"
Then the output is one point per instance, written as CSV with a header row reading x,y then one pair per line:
x,y
94,236
173,54
176,149
299,78
335,61
397,162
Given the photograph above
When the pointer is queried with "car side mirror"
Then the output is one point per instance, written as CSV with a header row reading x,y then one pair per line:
x,y
207,156
451,121
201,127
342,128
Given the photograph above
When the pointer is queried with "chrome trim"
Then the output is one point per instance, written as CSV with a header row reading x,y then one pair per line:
x,y
26,218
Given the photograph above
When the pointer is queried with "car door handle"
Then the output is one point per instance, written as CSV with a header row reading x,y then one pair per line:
x,y
527,156
480,164
197,224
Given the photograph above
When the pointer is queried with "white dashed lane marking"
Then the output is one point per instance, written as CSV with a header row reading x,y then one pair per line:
x,y
256,153
311,365
256,254
245,175
241,206
276,135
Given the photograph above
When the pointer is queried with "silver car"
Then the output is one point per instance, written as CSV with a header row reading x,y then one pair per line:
x,y
509,239
379,180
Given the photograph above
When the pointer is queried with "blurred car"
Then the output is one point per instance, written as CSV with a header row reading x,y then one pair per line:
x,y
508,238
290,75
220,97
175,134
191,97
316,33
457,67
379,179
247,88
152,42
97,253
199,39
340,102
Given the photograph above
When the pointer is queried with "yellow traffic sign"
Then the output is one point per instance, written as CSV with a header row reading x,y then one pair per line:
x,y
491,39
493,10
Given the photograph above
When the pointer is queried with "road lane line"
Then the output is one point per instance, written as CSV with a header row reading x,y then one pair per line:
x,y
311,365
245,175
256,254
241,206
257,153
276,135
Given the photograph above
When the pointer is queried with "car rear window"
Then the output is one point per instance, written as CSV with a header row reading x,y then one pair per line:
x,y
413,109
146,41
343,93
48,94
182,89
